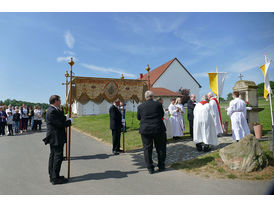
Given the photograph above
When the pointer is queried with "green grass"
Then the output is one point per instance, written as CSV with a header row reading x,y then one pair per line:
x,y
98,125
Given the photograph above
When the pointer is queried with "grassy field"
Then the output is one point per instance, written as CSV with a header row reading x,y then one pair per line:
x,y
98,125
211,166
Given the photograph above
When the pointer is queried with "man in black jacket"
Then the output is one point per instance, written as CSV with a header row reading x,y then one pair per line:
x,y
152,129
56,137
115,118
190,108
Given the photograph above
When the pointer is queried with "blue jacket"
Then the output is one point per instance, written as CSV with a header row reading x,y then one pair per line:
x,y
3,114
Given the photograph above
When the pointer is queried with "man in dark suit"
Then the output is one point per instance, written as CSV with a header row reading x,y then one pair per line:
x,y
56,137
152,129
115,118
190,107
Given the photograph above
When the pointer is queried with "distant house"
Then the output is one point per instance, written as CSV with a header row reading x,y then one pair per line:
x,y
167,79
165,82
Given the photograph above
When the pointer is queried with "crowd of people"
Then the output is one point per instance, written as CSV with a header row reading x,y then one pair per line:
x,y
15,120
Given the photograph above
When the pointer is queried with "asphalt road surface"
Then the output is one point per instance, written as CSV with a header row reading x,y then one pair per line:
x,y
94,170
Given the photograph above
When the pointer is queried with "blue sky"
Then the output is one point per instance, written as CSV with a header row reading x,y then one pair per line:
x,y
35,47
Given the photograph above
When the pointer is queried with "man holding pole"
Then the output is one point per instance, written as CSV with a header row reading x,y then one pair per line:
x,y
56,137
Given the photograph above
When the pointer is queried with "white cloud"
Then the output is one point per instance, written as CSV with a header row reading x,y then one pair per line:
x,y
253,60
69,53
69,39
65,59
108,70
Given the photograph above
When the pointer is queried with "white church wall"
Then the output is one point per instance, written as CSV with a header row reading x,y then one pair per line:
x,y
176,77
91,108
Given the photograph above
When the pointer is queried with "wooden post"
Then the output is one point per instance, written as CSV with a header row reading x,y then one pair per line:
x,y
70,98
66,75
124,147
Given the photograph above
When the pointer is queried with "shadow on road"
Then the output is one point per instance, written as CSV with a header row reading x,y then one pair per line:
x,y
100,176
89,157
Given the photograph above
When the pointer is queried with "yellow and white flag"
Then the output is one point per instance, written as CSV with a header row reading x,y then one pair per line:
x,y
216,81
264,68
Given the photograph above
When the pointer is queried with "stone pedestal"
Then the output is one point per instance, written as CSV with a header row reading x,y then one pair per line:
x,y
248,93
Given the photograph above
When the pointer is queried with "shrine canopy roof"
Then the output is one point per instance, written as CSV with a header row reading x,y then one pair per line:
x,y
95,89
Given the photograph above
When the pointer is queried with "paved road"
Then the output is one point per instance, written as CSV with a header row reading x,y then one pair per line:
x,y
94,170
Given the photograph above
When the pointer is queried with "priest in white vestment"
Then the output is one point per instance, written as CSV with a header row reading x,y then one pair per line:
x,y
175,120
216,109
237,114
204,130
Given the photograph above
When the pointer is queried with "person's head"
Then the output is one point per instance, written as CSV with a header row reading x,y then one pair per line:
x,y
172,100
159,99
16,107
9,113
178,101
1,108
17,110
38,107
55,100
235,95
205,98
149,95
23,105
210,94
10,106
192,97
117,102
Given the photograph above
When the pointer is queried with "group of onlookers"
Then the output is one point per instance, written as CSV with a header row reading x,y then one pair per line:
x,y
17,119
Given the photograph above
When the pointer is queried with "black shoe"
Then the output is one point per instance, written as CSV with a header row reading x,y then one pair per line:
x,y
199,147
116,153
207,148
119,150
151,171
59,181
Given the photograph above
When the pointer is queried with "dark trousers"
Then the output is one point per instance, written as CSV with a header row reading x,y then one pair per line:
x,y
2,128
191,128
24,123
10,129
55,160
35,123
160,145
116,136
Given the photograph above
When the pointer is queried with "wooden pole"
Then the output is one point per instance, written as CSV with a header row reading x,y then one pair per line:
x,y
70,97
124,147
66,113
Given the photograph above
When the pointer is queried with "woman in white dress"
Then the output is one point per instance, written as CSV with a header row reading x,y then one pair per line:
x,y
176,120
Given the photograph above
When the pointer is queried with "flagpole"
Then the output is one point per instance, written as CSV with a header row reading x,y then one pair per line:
x,y
217,85
270,104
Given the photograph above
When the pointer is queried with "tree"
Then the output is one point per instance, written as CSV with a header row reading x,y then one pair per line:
x,y
185,93
229,96
260,90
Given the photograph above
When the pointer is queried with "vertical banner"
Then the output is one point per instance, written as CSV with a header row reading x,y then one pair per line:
x,y
213,81
221,78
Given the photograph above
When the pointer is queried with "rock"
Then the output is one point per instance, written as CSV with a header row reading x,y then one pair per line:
x,y
245,155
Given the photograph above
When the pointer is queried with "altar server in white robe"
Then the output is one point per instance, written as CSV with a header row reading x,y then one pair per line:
x,y
204,131
179,105
237,114
216,109
175,120
166,118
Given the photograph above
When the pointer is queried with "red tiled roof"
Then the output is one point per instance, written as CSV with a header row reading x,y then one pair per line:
x,y
155,74
158,91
